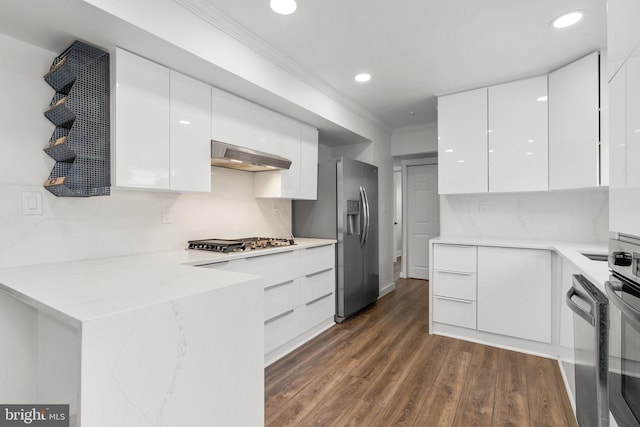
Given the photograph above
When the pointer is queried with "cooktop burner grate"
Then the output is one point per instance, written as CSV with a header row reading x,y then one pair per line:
x,y
239,245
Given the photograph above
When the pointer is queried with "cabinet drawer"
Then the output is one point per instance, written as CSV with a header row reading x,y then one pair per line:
x,y
318,284
318,310
277,267
455,258
455,284
317,258
455,312
281,297
280,329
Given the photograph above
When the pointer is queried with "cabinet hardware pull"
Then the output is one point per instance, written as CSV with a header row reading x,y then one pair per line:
x,y
466,301
460,273
318,299
279,316
277,285
319,272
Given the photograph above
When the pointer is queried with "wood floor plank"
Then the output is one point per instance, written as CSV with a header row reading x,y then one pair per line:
x,y
408,399
512,372
545,397
382,368
439,408
510,409
476,404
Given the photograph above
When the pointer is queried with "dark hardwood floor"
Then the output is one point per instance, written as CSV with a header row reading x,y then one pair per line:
x,y
382,368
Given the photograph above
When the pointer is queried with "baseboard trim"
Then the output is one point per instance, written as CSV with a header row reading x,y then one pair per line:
x,y
387,289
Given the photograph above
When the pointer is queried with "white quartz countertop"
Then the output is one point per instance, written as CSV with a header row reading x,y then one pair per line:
x,y
79,291
595,271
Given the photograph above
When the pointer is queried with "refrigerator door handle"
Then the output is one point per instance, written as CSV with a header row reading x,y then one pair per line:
x,y
365,210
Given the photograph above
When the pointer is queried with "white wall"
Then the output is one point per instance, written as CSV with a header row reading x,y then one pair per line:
x,y
414,140
579,216
124,223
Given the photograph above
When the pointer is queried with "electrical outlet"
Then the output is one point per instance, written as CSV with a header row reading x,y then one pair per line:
x,y
274,208
166,215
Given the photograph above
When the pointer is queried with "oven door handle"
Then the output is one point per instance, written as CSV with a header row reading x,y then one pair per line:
x,y
576,308
627,309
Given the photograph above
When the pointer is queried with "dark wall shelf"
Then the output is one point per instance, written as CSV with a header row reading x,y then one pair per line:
x,y
80,111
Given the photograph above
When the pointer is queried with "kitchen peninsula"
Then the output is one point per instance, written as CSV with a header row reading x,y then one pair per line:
x,y
137,340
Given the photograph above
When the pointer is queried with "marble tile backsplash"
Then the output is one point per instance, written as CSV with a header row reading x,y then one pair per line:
x,y
579,216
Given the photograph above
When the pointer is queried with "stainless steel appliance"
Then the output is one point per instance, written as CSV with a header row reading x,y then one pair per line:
x,y
239,245
591,344
246,159
623,289
346,210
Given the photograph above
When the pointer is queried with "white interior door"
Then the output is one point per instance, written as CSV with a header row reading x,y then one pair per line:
x,y
397,213
423,217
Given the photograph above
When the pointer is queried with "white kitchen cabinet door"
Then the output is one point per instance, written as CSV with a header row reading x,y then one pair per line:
x,y
623,31
264,129
142,117
298,143
624,188
518,148
229,117
190,151
289,135
574,130
514,292
308,163
462,143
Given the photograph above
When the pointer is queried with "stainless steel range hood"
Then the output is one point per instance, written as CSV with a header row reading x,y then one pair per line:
x,y
235,157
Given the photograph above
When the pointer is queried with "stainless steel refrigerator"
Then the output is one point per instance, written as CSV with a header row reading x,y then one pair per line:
x,y
346,210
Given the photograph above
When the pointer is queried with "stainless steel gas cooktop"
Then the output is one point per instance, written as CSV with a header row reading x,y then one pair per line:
x,y
239,245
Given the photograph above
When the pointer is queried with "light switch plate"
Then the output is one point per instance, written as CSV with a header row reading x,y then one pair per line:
x,y
32,203
166,215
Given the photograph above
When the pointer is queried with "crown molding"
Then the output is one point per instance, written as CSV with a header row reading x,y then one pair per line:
x,y
223,22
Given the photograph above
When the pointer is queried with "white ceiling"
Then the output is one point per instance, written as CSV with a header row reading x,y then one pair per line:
x,y
417,49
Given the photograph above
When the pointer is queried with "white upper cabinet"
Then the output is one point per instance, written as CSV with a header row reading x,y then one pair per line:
x,y
228,118
162,131
190,134
518,144
462,143
624,189
309,156
623,31
142,116
574,131
237,121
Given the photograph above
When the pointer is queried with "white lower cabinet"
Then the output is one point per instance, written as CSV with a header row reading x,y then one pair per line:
x,y
497,295
454,311
454,287
514,292
299,294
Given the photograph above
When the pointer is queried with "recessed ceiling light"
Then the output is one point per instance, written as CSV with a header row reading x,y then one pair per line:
x,y
567,20
283,7
449,150
362,77
542,98
184,122
412,113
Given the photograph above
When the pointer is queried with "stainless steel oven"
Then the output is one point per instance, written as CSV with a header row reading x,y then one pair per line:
x,y
623,290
